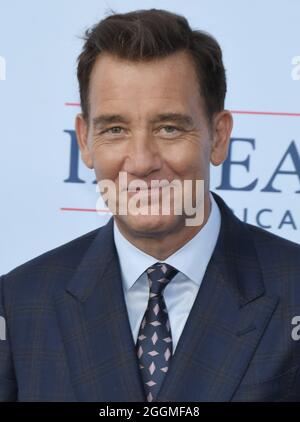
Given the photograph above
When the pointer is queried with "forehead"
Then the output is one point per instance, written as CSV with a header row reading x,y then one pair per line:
x,y
115,81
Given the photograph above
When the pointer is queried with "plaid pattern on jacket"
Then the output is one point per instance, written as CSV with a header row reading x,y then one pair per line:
x,y
68,336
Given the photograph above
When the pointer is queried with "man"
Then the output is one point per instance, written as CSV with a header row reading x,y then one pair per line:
x,y
148,307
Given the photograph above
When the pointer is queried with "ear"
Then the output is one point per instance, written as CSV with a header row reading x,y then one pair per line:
x,y
81,127
222,127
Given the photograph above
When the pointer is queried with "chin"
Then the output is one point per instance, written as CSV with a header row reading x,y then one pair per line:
x,y
150,224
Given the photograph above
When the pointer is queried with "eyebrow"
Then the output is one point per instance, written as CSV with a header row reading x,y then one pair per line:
x,y
105,119
183,119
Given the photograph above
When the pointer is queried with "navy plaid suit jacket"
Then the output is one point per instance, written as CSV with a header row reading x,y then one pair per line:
x,y
69,338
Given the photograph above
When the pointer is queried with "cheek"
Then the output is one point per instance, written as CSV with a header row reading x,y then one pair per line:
x,y
107,166
190,162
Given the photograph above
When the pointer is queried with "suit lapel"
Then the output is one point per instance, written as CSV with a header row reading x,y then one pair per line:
x,y
95,328
227,320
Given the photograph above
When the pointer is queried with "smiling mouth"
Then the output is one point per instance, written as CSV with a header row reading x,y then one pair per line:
x,y
153,189
149,188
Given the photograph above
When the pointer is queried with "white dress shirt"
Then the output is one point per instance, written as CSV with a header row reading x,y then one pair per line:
x,y
190,260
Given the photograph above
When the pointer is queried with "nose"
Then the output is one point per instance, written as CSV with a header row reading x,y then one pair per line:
x,y
143,156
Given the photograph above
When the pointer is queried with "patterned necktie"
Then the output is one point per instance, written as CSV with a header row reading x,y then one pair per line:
x,y
154,342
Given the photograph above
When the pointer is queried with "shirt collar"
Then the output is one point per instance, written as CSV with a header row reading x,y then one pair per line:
x,y
191,259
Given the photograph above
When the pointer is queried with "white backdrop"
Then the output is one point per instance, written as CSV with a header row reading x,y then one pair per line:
x,y
43,202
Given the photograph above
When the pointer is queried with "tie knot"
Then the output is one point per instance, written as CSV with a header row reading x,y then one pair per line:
x,y
159,275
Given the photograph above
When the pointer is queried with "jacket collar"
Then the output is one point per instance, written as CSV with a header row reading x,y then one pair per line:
x,y
235,248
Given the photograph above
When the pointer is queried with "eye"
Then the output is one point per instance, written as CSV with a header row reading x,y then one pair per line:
x,y
114,130
170,129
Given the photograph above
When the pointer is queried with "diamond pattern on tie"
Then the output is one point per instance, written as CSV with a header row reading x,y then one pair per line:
x,y
154,342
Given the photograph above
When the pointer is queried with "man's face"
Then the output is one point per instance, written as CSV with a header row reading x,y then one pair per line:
x,y
147,119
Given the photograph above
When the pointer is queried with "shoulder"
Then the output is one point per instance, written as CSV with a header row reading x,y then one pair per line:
x,y
44,272
269,247
274,246
279,262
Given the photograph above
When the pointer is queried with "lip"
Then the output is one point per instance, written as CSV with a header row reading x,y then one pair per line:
x,y
146,190
149,188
